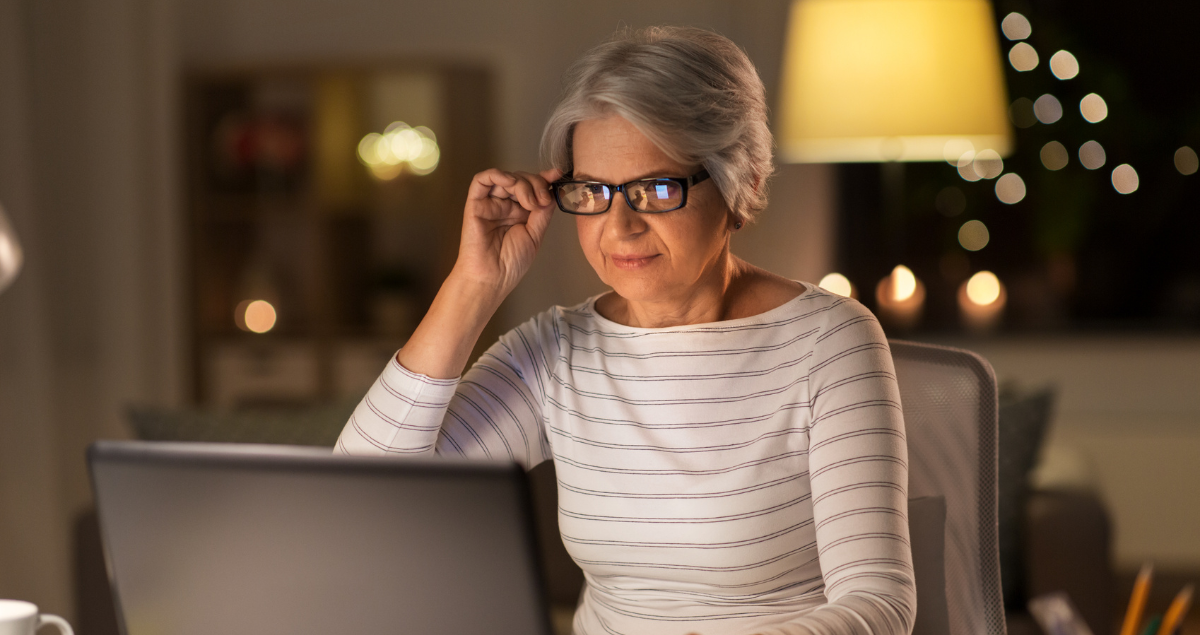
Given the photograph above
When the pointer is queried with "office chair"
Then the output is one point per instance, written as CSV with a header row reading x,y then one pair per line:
x,y
950,419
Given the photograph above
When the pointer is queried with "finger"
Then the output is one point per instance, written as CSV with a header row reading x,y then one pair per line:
x,y
484,182
523,191
551,175
541,187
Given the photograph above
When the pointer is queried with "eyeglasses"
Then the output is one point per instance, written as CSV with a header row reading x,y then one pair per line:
x,y
652,196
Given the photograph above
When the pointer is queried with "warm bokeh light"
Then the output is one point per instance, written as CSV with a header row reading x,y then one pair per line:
x,y
981,301
1047,109
950,201
400,146
1093,108
1055,156
11,255
904,283
256,316
1186,161
1010,189
1125,179
900,298
988,164
1016,26
983,288
1091,155
1021,113
1064,65
966,167
1023,57
837,283
973,235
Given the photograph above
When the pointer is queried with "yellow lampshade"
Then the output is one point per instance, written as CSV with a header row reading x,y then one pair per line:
x,y
891,80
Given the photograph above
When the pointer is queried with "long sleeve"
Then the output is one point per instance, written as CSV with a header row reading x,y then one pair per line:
x,y
494,411
859,473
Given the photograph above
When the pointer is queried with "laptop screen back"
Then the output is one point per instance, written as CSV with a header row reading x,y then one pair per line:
x,y
231,539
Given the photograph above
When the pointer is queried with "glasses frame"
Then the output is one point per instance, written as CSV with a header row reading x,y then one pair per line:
x,y
685,183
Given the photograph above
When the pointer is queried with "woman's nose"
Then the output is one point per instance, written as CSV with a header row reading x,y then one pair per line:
x,y
624,220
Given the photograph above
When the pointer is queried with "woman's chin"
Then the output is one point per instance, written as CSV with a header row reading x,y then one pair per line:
x,y
639,288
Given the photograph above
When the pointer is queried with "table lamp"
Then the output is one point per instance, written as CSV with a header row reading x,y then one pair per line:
x,y
891,80
11,256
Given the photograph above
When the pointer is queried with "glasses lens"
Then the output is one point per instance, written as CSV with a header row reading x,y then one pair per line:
x,y
584,198
656,195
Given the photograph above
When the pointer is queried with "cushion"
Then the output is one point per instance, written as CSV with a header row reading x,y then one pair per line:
x,y
927,534
1023,422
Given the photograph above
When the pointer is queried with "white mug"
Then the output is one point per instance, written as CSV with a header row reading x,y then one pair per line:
x,y
21,618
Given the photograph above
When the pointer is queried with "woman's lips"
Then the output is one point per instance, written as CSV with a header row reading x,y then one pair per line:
x,y
632,262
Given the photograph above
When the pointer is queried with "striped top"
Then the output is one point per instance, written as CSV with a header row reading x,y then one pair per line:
x,y
746,476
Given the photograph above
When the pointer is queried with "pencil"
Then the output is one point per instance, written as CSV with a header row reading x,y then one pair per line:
x,y
1179,607
1137,600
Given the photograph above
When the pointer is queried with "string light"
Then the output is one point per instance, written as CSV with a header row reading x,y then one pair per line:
x,y
988,164
966,167
1047,109
1054,156
1186,161
1064,65
1125,179
1093,108
1023,57
1091,155
973,235
1016,26
1010,189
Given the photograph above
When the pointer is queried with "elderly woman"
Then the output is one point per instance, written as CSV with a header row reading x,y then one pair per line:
x,y
729,443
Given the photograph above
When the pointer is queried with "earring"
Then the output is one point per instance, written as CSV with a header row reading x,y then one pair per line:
x,y
737,225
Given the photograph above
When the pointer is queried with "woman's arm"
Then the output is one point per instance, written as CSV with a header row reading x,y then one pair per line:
x,y
504,220
418,405
494,411
858,468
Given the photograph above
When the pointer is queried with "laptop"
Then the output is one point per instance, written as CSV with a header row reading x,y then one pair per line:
x,y
204,538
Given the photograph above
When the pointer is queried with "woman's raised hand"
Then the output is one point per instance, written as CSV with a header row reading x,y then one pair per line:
x,y
504,222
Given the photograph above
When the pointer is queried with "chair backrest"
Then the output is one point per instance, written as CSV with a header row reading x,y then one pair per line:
x,y
950,418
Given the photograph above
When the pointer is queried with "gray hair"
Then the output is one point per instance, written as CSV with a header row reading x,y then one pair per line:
x,y
692,92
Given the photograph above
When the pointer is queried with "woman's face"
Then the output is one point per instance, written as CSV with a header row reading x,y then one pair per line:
x,y
647,257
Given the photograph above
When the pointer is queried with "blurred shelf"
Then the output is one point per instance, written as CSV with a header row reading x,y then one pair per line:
x,y
283,211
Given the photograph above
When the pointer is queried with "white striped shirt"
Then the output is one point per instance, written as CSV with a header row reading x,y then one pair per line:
x,y
745,476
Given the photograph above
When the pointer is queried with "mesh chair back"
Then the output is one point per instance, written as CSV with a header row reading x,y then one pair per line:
x,y
950,418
